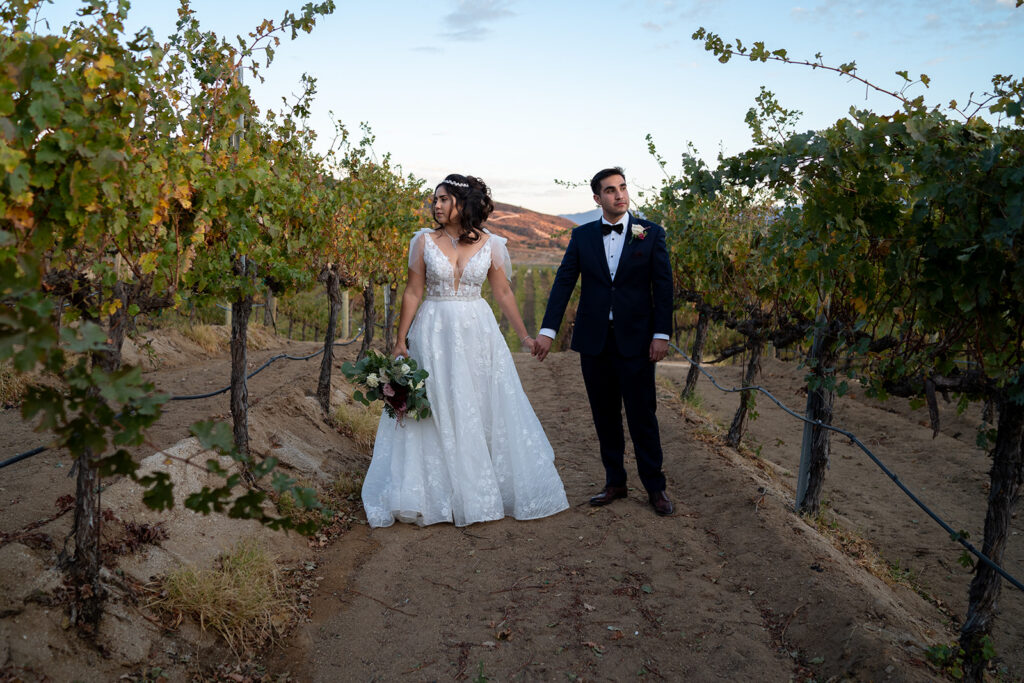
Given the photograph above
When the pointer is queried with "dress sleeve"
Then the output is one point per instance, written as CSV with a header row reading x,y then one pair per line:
x,y
416,246
499,256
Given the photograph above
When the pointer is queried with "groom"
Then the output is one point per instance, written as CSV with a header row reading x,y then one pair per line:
x,y
622,329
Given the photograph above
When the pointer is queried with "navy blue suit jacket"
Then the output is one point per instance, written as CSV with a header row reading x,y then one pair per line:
x,y
640,297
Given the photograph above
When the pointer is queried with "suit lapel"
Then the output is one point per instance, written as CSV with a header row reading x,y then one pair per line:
x,y
596,241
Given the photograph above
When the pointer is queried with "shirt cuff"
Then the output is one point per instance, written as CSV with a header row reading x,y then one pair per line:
x,y
549,333
659,335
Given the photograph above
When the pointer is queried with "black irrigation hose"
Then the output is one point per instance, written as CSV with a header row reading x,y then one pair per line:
x,y
23,456
261,368
40,449
853,439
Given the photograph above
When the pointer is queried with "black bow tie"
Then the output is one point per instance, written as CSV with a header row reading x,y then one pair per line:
x,y
607,228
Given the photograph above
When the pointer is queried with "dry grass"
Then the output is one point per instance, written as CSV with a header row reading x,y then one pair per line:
x,y
666,384
261,337
867,556
217,338
348,486
12,384
210,338
242,598
358,422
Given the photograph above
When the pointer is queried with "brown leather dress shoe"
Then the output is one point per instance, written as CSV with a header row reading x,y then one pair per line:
x,y
661,504
609,494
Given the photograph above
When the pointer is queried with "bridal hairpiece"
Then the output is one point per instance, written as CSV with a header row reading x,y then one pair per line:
x,y
456,183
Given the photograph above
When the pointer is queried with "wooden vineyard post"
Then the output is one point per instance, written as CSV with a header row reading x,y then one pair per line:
x,y
270,311
346,330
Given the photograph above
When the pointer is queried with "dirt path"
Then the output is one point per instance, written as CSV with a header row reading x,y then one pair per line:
x,y
948,472
733,587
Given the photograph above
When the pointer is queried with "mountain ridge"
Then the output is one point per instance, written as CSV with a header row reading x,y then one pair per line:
x,y
529,230
583,216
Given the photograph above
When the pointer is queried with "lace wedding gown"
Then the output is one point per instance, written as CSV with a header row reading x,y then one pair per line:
x,y
483,453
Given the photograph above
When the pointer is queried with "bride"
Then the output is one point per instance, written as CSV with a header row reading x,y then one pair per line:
x,y
483,453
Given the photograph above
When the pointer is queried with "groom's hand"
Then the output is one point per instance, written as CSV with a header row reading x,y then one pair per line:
x,y
541,346
659,349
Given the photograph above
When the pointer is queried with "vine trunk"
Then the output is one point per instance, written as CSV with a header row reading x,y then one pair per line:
x,y
323,386
699,338
1006,478
241,309
821,401
739,420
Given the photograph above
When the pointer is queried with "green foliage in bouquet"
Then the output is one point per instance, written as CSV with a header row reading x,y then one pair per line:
x,y
398,382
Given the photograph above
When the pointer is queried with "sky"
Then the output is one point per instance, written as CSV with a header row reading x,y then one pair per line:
x,y
526,92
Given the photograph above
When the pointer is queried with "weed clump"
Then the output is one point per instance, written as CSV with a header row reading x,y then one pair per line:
x,y
12,385
359,422
242,598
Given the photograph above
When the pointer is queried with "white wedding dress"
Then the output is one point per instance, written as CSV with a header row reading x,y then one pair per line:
x,y
483,453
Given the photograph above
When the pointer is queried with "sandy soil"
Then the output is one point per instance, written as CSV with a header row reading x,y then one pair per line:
x,y
733,587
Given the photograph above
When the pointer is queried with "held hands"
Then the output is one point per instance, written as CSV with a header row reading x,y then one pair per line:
x,y
530,343
659,349
541,347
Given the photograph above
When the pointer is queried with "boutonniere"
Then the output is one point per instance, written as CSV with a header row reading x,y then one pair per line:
x,y
638,231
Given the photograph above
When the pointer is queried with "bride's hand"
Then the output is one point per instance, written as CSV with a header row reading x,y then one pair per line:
x,y
531,344
399,350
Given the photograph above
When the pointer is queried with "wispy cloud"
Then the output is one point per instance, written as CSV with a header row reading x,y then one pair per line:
x,y
822,12
975,20
470,19
694,9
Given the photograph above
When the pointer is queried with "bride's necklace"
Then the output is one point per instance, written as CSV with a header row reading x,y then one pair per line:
x,y
454,240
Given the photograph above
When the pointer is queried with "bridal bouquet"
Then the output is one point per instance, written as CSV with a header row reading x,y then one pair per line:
x,y
396,381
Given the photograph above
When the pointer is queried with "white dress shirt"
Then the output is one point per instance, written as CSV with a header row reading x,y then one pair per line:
x,y
613,244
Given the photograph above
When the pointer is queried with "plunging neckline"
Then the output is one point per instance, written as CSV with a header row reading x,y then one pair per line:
x,y
457,281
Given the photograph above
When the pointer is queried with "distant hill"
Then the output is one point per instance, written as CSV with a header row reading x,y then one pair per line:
x,y
534,238
583,216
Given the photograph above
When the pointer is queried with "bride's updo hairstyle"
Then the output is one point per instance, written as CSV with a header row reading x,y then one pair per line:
x,y
473,199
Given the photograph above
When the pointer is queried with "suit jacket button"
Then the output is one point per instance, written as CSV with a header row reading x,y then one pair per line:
x,y
613,289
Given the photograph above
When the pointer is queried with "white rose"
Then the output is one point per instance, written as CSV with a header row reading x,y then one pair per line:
x,y
383,377
638,231
405,369
372,381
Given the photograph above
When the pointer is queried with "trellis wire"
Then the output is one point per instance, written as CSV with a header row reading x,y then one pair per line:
x,y
853,439
194,397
